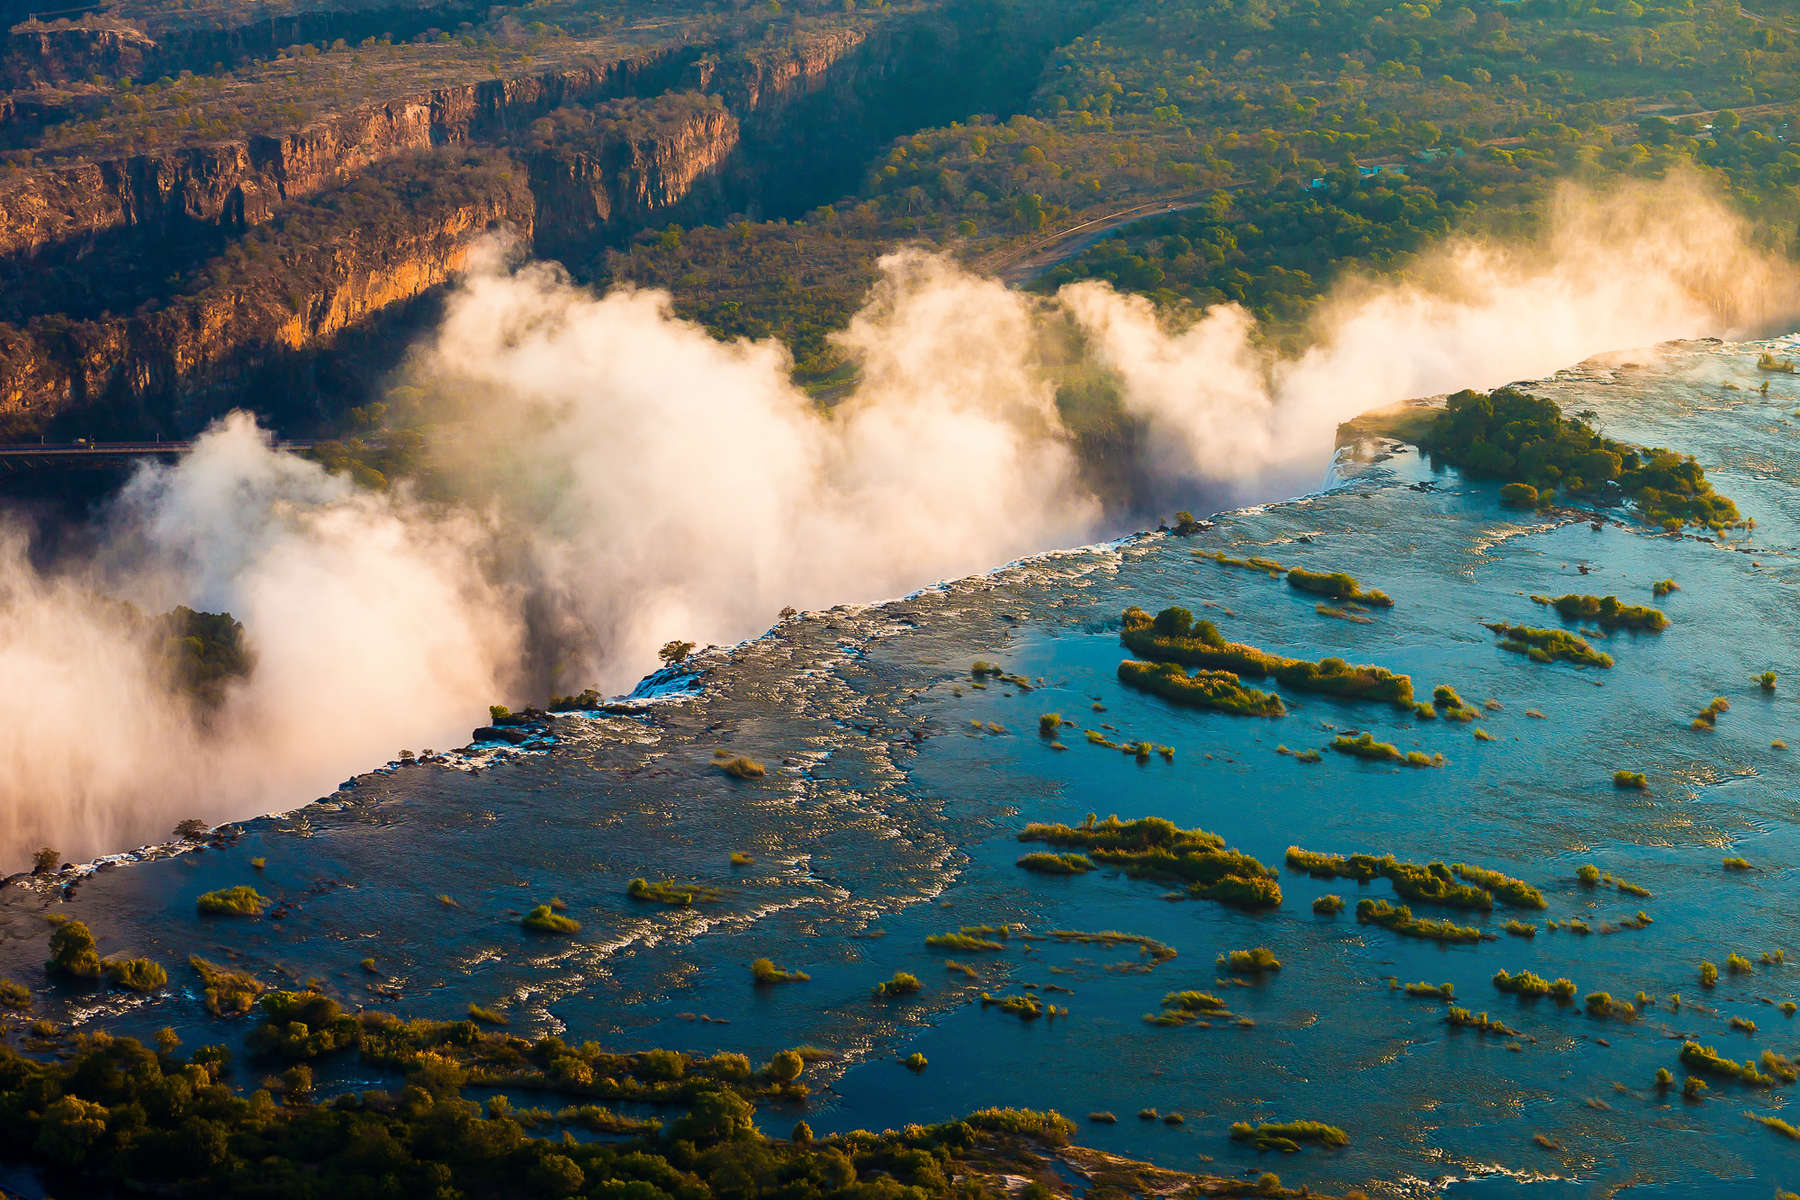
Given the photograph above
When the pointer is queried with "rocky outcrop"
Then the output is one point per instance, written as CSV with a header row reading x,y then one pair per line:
x,y
623,165
242,182
36,54
297,285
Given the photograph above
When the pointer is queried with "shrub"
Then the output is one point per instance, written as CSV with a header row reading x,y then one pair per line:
x,y
136,974
1338,586
1328,906
1400,920
1254,961
1366,747
1220,691
1200,644
1154,848
43,861
484,1016
1608,612
1708,1061
14,995
1522,929
1766,681
1663,587
1709,975
1738,864
901,984
1588,875
1630,779
1281,1135
239,901
1519,495
1549,645
742,768
545,919
228,993
72,951
667,891
915,1062
764,971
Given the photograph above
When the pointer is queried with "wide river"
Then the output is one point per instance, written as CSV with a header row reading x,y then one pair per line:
x,y
896,788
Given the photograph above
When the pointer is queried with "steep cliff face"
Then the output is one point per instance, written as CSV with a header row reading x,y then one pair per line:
x,y
295,288
624,165
242,182
72,52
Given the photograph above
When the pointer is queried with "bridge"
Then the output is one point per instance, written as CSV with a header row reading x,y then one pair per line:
x,y
82,453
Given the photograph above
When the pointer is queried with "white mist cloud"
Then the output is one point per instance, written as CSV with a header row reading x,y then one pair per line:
x,y
625,479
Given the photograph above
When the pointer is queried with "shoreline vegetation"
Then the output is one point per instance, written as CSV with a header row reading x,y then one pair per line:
x,y
110,1115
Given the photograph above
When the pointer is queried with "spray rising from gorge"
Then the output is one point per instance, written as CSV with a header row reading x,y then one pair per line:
x,y
610,477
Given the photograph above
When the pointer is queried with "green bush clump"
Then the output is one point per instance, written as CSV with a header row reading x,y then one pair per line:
x,y
1738,864
915,1062
971,938
1219,691
739,767
1630,779
1431,991
72,952
1515,437
545,919
1514,893
1152,952
1154,848
1588,875
1532,986
1663,587
136,974
1328,906
1173,636
239,901
667,891
1366,747
15,996
1737,964
1338,586
1433,883
1462,1018
1057,864
1522,929
1187,1008
764,971
1287,1136
1399,919
1602,1004
227,993
1049,724
1608,612
1266,565
1709,1061
484,1016
902,984
1254,961
1024,1006
1708,717
1549,645
1518,495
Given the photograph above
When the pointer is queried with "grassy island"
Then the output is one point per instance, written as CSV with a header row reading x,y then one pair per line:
x,y
1220,691
1608,612
1433,883
1524,440
764,971
1549,645
545,919
667,891
1338,586
1365,746
1187,1008
1257,960
901,984
1287,1136
239,901
1173,636
1154,848
1398,918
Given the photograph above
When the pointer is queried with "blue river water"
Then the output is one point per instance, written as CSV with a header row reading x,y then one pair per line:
x,y
896,789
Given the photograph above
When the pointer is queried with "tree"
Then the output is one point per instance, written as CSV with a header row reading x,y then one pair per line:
x,y
72,951
44,861
193,829
674,652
